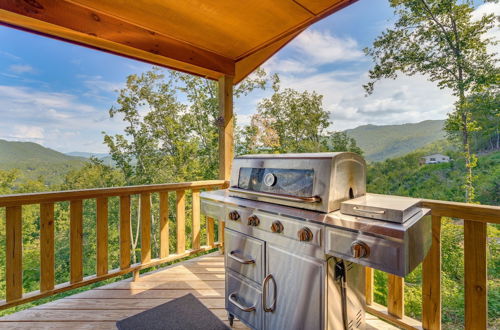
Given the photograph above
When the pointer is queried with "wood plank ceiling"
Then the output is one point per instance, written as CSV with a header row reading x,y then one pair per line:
x,y
209,38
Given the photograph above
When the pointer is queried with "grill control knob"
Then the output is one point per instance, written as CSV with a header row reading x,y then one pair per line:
x,y
305,234
359,249
277,227
253,220
234,215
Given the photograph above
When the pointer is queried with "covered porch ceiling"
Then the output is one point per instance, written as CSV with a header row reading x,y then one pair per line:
x,y
209,38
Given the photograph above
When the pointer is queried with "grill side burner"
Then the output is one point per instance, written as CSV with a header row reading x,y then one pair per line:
x,y
293,261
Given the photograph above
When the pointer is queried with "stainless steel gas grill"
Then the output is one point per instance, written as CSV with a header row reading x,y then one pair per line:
x,y
293,260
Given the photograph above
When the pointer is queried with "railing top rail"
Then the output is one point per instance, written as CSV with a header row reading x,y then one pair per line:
x,y
466,211
59,196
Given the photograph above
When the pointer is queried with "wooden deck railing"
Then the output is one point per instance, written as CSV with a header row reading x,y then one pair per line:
x,y
475,217
13,234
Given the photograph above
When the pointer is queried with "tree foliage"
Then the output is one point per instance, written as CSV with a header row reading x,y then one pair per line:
x,y
440,39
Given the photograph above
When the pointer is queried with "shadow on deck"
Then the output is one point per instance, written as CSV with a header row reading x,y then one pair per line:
x,y
101,307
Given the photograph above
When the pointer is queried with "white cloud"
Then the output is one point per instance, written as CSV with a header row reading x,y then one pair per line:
x,y
25,132
406,100
287,66
322,47
21,68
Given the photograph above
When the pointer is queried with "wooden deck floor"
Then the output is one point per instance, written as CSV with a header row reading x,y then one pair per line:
x,y
101,307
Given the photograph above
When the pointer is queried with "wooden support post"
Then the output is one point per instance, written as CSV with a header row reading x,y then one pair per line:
x,y
102,235
13,253
46,247
476,304
395,299
181,221
431,280
76,241
145,227
135,275
124,232
369,285
164,230
196,219
227,126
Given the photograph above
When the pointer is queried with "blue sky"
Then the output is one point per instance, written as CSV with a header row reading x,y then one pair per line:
x,y
58,94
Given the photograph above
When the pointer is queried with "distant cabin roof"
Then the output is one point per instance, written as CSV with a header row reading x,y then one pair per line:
x,y
435,155
209,38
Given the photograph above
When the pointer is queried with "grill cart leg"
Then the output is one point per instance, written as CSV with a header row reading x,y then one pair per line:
x,y
231,319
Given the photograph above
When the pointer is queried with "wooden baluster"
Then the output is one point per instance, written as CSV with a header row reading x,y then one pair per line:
x,y
13,253
431,280
46,247
125,232
476,305
76,241
164,230
196,219
369,285
222,225
395,299
210,232
145,227
102,236
181,225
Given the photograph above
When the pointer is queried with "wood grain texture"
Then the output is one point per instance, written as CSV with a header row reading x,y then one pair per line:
x,y
226,130
68,16
164,225
32,296
222,225
196,219
13,253
76,241
369,285
431,280
405,322
476,304
70,195
145,227
125,242
395,298
210,232
102,235
46,247
181,221
471,212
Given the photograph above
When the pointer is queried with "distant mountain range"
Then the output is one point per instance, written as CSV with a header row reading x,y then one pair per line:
x,y
378,143
389,141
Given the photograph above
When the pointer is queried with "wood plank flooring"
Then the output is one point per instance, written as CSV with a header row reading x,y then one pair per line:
x,y
101,307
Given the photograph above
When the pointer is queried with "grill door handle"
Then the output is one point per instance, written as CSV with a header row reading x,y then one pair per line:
x,y
264,294
355,208
232,299
244,261
297,199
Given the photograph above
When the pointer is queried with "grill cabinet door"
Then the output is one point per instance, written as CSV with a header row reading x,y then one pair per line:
x,y
299,283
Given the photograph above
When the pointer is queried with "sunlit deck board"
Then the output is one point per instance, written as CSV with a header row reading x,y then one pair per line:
x,y
101,307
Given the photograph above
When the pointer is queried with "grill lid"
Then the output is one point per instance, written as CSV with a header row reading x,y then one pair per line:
x,y
382,207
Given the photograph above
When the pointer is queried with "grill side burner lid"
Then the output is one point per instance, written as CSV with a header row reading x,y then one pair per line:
x,y
382,207
314,181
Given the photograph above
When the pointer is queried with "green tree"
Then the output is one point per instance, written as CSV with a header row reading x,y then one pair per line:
x,y
440,39
340,141
288,121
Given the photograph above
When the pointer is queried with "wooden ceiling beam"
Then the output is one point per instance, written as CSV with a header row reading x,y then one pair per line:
x,y
68,21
